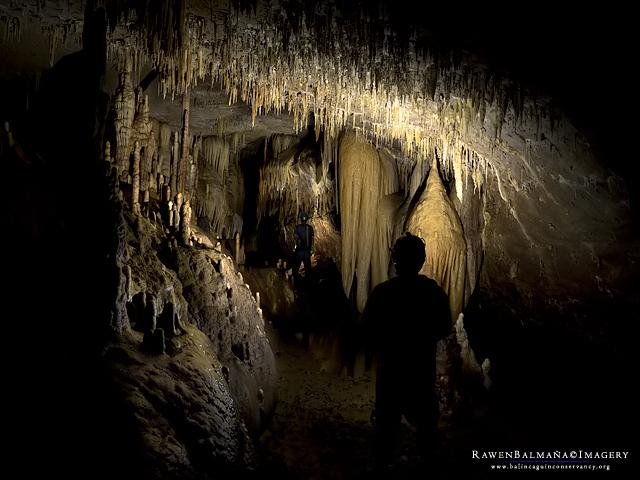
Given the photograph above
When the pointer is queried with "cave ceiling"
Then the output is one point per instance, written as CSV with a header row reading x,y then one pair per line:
x,y
515,106
546,50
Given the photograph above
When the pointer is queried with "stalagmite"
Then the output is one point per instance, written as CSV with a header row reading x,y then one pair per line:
x,y
176,216
166,193
185,223
169,219
164,150
179,199
470,363
142,126
125,107
145,198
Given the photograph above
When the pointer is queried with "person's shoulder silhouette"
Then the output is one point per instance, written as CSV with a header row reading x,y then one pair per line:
x,y
409,308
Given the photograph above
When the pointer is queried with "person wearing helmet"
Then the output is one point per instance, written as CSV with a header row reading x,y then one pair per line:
x,y
404,318
303,234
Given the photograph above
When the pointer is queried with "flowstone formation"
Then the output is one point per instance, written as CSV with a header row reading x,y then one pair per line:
x,y
435,221
360,178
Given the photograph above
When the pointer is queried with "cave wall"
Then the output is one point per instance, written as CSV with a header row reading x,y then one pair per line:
x,y
210,377
548,227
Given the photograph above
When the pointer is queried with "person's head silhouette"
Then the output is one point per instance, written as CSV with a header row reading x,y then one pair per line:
x,y
303,217
408,254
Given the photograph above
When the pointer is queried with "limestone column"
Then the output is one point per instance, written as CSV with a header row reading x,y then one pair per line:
x,y
135,187
175,159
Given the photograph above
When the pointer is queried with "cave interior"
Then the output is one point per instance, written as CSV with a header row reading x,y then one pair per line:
x,y
159,155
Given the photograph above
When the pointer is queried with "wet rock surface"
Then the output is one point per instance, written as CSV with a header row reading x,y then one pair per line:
x,y
177,411
225,309
195,375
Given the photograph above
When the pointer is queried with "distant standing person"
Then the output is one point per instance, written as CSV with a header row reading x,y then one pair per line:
x,y
404,318
304,246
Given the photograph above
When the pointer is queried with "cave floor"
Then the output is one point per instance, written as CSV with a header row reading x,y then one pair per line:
x,y
321,427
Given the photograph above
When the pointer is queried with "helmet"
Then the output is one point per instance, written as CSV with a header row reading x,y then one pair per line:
x,y
303,216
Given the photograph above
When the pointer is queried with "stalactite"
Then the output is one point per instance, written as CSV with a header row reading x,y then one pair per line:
x,y
10,28
183,166
289,184
216,153
395,96
57,34
219,184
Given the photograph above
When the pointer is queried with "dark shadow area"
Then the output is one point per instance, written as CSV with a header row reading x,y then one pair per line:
x,y
554,388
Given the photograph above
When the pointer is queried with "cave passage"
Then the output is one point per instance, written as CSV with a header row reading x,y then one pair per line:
x,y
167,319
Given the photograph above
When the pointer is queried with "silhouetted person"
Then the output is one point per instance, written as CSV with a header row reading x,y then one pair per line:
x,y
405,317
304,246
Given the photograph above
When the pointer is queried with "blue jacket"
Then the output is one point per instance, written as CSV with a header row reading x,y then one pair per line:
x,y
304,237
